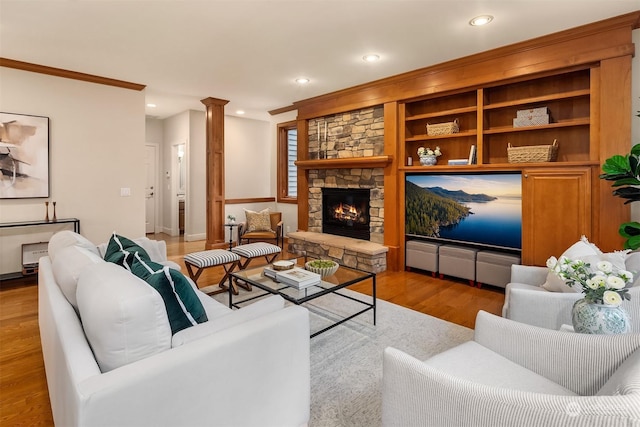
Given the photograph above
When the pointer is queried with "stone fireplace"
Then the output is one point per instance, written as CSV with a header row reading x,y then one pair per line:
x,y
354,134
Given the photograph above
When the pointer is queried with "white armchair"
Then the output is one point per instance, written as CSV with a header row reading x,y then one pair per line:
x,y
528,302
514,374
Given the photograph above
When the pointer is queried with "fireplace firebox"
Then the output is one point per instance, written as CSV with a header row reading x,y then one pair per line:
x,y
345,212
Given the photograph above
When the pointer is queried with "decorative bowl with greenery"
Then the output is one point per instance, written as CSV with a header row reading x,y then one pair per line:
x,y
322,267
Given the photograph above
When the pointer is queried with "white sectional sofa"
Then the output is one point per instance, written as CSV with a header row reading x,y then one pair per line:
x,y
111,358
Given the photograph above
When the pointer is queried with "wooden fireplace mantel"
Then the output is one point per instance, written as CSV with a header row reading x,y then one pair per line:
x,y
349,162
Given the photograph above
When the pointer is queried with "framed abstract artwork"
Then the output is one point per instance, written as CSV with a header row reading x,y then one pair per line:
x,y
24,156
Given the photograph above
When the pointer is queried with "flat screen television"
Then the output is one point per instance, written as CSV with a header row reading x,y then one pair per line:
x,y
481,209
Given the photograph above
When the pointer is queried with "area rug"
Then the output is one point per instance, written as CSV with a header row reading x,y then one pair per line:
x,y
346,361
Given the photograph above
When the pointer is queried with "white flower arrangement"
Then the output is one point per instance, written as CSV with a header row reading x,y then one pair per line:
x,y
604,286
429,152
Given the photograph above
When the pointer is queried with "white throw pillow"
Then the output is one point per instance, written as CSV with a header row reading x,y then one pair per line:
x,y
124,318
586,251
579,250
66,238
68,265
152,248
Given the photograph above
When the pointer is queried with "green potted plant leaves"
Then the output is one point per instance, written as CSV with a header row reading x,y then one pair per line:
x,y
624,171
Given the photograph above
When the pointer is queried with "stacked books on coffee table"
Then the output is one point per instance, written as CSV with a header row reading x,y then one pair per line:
x,y
296,277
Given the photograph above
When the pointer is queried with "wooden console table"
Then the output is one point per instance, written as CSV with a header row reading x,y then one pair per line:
x,y
74,221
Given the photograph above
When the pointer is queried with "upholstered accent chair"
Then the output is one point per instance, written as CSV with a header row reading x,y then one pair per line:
x,y
513,374
527,301
530,299
273,232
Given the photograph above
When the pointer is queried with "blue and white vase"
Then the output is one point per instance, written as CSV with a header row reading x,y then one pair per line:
x,y
428,160
592,318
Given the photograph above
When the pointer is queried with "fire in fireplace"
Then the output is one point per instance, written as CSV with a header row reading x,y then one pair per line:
x,y
345,212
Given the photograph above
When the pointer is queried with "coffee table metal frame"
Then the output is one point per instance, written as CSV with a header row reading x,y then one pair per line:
x,y
255,277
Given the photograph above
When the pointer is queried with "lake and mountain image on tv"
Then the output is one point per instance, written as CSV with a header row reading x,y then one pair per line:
x,y
483,209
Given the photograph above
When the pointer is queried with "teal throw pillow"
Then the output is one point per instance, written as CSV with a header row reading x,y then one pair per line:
x,y
144,268
120,251
184,308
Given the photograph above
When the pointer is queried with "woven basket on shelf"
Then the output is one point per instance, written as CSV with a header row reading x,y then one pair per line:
x,y
443,128
533,153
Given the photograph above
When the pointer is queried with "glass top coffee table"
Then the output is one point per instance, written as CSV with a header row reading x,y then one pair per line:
x,y
343,277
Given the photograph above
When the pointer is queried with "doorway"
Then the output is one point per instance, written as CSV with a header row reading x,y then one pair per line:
x,y
179,222
150,189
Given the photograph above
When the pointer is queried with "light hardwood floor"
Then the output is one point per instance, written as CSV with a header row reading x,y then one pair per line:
x,y
24,399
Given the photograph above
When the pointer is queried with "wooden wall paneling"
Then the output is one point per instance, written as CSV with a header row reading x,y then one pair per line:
x,y
480,148
393,202
249,200
615,138
303,175
67,74
594,148
594,115
215,171
556,211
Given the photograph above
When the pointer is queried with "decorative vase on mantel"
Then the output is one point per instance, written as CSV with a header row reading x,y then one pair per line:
x,y
594,318
428,160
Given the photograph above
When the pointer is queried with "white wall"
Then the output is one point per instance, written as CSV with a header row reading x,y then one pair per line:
x,y
96,147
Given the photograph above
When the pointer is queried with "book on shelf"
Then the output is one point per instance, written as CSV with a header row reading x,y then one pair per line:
x,y
298,278
472,155
457,162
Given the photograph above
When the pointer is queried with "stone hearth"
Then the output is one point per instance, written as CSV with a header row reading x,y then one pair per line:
x,y
355,253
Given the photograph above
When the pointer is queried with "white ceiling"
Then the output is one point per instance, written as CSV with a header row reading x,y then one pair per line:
x,y
251,51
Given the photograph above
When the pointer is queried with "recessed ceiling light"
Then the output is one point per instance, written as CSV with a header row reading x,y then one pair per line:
x,y
151,105
481,20
302,80
371,57
241,112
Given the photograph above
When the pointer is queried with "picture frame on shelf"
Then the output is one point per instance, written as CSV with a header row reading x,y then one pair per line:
x,y
24,156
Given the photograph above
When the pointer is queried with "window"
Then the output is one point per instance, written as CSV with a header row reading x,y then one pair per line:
x,y
287,155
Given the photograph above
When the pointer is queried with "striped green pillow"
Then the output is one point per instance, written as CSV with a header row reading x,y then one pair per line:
x,y
120,251
184,308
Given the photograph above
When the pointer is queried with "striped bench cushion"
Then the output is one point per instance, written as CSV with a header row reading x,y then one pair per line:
x,y
253,250
210,258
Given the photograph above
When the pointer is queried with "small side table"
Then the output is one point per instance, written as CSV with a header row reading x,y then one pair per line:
x,y
230,225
